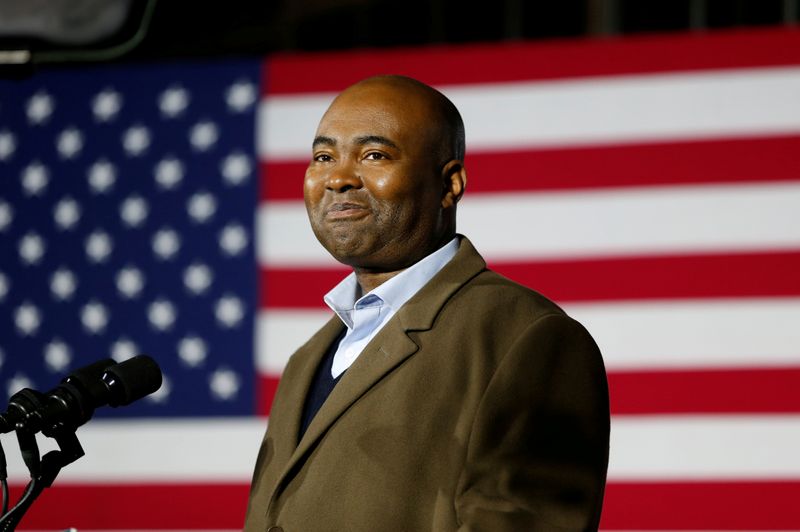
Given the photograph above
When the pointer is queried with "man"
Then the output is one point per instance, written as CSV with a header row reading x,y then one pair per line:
x,y
441,396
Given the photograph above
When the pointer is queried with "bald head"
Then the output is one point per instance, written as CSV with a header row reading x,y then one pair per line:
x,y
445,125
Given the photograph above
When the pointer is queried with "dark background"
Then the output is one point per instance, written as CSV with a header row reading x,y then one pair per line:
x,y
246,27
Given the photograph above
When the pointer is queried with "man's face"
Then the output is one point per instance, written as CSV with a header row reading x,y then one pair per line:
x,y
373,189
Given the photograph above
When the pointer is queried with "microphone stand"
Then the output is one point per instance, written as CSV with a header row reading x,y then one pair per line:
x,y
3,480
59,413
43,472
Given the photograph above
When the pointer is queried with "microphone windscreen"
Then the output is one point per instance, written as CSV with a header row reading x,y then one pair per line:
x,y
133,379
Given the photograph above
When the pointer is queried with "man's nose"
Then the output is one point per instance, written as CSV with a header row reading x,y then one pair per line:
x,y
342,178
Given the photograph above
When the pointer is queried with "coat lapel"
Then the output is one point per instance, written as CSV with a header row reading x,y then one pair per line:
x,y
299,377
388,349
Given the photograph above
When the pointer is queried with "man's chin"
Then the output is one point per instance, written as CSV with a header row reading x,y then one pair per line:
x,y
348,251
357,258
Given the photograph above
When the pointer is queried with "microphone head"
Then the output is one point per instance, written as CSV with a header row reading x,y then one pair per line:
x,y
131,380
87,379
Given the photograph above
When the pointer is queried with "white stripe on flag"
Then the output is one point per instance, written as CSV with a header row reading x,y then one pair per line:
x,y
662,334
680,334
642,448
614,109
280,332
153,450
704,447
639,221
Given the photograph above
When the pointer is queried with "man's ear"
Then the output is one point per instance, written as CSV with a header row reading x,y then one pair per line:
x,y
454,181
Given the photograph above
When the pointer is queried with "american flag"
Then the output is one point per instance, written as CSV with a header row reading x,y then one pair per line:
x,y
651,185
127,210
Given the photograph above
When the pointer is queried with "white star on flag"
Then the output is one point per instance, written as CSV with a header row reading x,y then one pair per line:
x,y
57,356
166,243
224,384
162,394
69,143
123,349
39,108
99,246
130,282
229,311
162,314
94,316
6,215
203,135
66,213
169,172
27,318
136,140
106,105
31,248
197,278
35,178
192,350
102,176
241,96
201,206
17,383
8,143
63,284
233,239
236,168
3,286
133,211
173,101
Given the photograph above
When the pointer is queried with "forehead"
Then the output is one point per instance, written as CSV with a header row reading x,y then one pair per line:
x,y
377,109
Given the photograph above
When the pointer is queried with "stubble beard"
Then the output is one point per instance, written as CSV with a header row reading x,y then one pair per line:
x,y
359,244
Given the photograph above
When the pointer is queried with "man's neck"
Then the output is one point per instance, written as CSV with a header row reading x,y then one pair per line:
x,y
368,281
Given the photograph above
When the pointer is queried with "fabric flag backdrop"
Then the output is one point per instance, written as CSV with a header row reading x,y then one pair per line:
x,y
651,185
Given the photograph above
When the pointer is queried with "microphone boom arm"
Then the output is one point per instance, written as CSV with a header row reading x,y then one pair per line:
x,y
43,472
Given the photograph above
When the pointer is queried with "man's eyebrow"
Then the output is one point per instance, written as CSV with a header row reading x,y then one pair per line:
x,y
322,140
375,139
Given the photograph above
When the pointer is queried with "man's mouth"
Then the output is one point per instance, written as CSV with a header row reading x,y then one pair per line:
x,y
345,209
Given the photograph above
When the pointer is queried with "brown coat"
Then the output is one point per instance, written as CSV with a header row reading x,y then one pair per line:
x,y
480,406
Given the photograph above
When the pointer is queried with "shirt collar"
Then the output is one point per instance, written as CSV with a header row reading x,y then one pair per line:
x,y
394,292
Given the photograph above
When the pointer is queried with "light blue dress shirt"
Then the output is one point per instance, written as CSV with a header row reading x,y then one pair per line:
x,y
367,315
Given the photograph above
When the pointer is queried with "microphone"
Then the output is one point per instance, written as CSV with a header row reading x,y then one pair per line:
x,y
73,402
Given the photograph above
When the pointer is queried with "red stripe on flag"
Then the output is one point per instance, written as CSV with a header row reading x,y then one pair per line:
x,y
292,73
268,387
670,277
628,506
282,180
690,276
729,391
696,506
710,161
138,507
297,287
769,391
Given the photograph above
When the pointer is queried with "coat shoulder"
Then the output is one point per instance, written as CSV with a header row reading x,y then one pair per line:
x,y
491,290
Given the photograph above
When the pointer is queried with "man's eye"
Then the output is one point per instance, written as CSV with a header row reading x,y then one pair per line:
x,y
375,156
323,158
